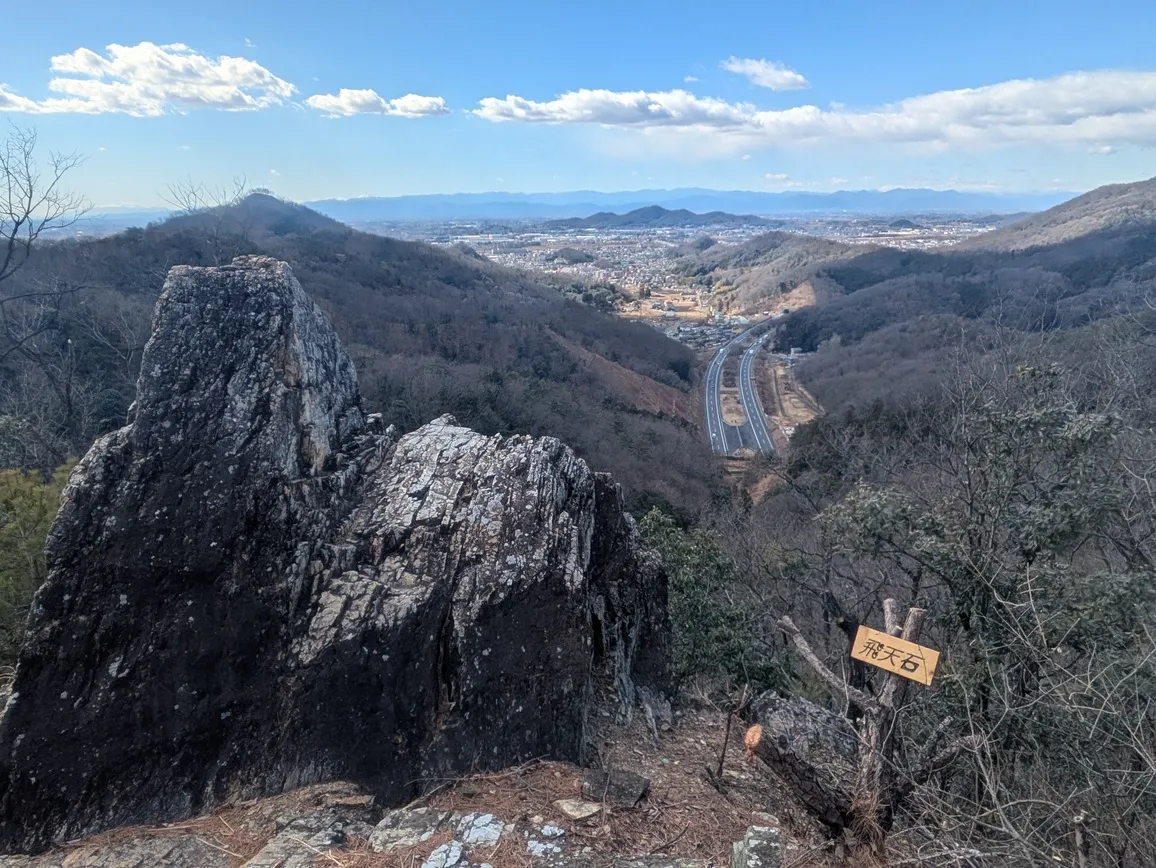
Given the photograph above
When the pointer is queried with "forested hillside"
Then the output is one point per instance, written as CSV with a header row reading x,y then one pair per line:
x,y
1114,206
902,314
1013,502
432,331
987,456
753,273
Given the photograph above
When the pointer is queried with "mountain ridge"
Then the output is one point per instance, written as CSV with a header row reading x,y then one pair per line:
x,y
582,203
655,216
432,330
448,206
1107,208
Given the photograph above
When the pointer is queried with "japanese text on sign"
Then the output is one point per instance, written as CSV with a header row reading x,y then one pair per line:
x,y
895,655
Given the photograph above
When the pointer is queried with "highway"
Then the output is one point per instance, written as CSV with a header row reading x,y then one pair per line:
x,y
756,416
724,438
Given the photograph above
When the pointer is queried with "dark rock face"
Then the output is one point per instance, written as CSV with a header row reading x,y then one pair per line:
x,y
252,587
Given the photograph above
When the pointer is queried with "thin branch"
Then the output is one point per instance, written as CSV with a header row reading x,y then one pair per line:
x,y
836,683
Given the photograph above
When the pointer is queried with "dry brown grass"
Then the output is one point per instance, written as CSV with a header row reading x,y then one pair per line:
x,y
239,831
682,815
732,408
227,831
817,290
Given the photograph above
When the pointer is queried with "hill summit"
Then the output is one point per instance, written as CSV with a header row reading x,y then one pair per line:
x,y
1105,209
657,217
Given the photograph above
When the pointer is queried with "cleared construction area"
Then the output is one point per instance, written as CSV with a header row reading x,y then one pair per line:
x,y
787,402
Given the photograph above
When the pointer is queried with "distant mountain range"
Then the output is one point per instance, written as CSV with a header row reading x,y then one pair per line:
x,y
656,217
692,203
520,206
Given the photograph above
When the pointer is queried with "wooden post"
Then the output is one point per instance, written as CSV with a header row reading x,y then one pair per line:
x,y
875,788
871,802
1080,822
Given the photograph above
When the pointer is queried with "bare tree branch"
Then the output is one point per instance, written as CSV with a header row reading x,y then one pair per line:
x,y
32,200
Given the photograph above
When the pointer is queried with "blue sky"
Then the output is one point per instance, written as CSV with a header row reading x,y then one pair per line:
x,y
319,99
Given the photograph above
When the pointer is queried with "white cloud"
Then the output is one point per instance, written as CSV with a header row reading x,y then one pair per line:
x,y
765,73
1106,108
147,80
783,181
746,157
274,173
348,102
690,79
10,102
676,108
837,181
1101,149
249,43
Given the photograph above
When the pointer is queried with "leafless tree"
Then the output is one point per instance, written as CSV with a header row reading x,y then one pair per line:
x,y
215,206
33,204
33,201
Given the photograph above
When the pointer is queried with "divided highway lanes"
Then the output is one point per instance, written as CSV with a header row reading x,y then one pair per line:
x,y
756,417
724,438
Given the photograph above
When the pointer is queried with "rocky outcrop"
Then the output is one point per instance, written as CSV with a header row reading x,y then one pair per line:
x,y
253,587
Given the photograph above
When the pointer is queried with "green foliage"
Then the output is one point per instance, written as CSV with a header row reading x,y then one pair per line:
x,y
1021,519
717,628
28,505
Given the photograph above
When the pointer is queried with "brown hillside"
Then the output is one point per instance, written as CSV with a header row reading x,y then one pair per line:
x,y
642,392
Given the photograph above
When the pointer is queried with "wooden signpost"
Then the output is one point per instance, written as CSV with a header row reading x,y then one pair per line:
x,y
895,655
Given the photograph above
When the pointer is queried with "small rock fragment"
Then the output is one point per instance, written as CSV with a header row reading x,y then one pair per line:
x,y
407,828
542,848
477,829
299,842
576,809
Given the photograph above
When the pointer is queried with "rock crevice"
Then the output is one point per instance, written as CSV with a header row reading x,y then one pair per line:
x,y
253,587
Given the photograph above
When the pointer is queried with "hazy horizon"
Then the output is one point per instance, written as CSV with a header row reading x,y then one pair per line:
x,y
159,204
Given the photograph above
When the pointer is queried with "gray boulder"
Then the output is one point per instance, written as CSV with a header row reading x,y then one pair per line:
x,y
253,587
761,847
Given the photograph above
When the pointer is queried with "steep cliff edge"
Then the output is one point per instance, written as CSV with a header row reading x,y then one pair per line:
x,y
253,587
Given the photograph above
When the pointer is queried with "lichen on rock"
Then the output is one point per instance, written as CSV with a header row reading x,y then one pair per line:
x,y
253,587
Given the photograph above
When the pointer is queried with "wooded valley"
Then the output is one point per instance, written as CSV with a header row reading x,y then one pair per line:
x,y
987,455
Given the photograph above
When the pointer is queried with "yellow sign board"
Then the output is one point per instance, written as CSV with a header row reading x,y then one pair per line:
x,y
895,655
